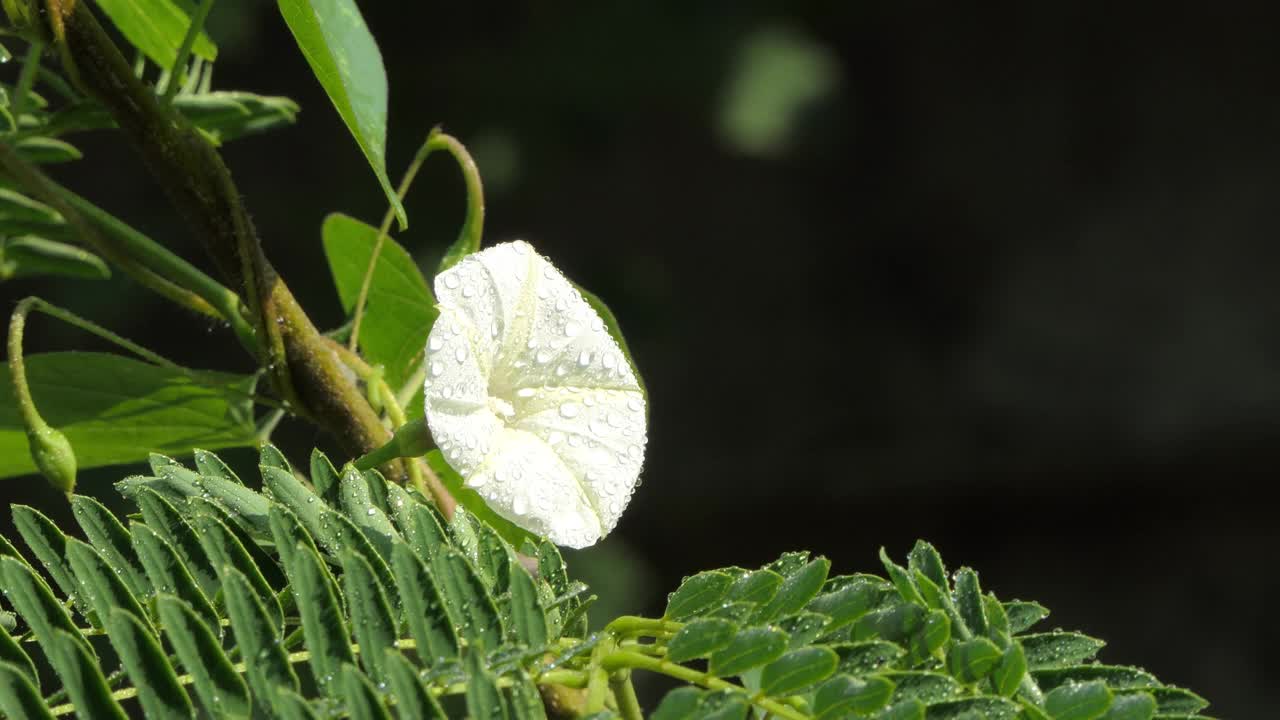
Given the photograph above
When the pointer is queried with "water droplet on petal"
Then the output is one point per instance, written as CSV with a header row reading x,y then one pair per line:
x,y
584,358
434,343
451,281
526,392
543,356
569,410
571,329
436,368
460,354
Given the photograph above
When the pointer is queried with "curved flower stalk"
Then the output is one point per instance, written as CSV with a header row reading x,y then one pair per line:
x,y
529,397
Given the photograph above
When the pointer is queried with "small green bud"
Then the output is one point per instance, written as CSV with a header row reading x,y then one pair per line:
x,y
413,439
53,455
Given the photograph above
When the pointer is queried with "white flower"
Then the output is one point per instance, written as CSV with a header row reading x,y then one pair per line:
x,y
530,398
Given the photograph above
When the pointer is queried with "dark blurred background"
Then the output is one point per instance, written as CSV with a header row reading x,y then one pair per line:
x,y
998,276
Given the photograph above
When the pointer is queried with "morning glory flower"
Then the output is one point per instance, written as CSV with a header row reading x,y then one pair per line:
x,y
529,397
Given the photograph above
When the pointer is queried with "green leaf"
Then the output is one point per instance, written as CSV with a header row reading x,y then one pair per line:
x,y
798,669
12,655
371,617
797,590
157,27
843,694
933,634
161,695
269,456
306,506
894,623
909,709
227,553
322,621
18,697
36,604
345,59
423,607
1138,706
323,475
759,586
528,619
289,705
258,637
981,708
866,657
115,410
227,116
968,599
19,211
348,536
901,579
722,705
412,699
484,547
162,518
699,638
104,588
997,620
110,538
1022,615
28,255
1116,677
82,677
849,603
468,603
167,573
1078,701
522,699
972,660
211,466
750,648
1009,672
218,686
50,547
925,559
1177,700
697,593
803,627
484,702
362,700
46,150
1056,649
400,308
615,330
360,507
678,704
470,499
428,530
927,687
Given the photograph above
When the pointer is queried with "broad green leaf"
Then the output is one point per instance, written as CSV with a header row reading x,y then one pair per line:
x,y
1009,672
167,572
348,537
797,590
82,677
758,587
104,588
110,538
484,547
1177,700
117,410
848,603
18,697
927,687
269,456
909,709
928,641
364,512
803,627
36,604
750,648
1022,615
722,705
371,619
522,699
322,622
211,466
894,623
362,700
227,553
50,546
227,116
162,518
470,606
972,660
400,307
1078,701
901,579
1056,649
429,534
987,708
1139,706
157,27
12,655
798,669
289,705
934,596
739,611
28,255
413,702
843,694
484,701
304,504
218,686
865,657
679,704
323,475
345,59
243,509
697,593
258,637
968,599
528,619
1116,677
700,638
287,532
998,628
161,695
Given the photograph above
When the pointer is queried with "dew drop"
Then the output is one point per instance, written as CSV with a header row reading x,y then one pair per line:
x,y
569,410
634,404
561,304
561,371
543,356
571,329
436,369
434,343
451,281
597,324
460,354
609,360
370,512
468,291
526,392
584,358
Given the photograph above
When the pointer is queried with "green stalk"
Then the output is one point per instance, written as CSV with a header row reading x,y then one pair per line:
x,y
27,78
50,449
178,72
624,659
625,693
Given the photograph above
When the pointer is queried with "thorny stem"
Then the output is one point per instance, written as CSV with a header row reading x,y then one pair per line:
x,y
199,185
472,227
177,74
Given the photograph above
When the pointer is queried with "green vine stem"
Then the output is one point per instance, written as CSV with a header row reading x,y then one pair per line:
x,y
178,74
472,225
50,449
